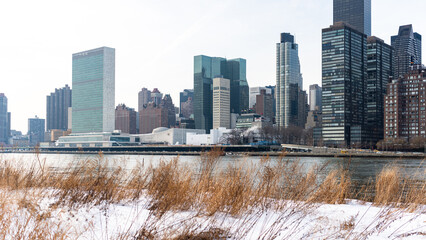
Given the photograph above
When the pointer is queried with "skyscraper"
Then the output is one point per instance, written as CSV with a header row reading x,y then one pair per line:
x,y
221,103
36,130
356,13
4,120
186,108
315,102
57,104
144,97
93,94
205,69
408,50
343,85
289,83
379,70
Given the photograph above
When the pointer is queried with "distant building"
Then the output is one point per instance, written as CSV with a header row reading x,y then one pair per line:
x,y
152,117
250,120
264,104
167,103
4,120
93,90
315,101
172,136
408,50
314,119
185,103
289,83
216,136
356,13
57,104
344,106
221,103
405,103
125,119
205,69
379,70
186,123
36,130
254,91
144,97
156,96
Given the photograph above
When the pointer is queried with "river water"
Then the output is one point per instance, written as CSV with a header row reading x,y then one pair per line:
x,y
361,169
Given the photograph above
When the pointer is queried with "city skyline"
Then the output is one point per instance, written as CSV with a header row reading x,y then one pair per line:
x,y
26,74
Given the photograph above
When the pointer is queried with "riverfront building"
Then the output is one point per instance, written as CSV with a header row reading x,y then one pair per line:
x,y
36,130
4,120
405,104
221,103
344,85
408,50
205,69
379,70
289,84
356,13
93,94
57,104
264,106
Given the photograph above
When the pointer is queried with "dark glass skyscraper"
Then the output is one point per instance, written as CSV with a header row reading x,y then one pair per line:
x,y
357,13
4,120
57,104
408,50
36,130
344,75
379,69
205,69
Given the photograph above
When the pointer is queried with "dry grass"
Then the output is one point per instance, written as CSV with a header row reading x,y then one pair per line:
x,y
240,190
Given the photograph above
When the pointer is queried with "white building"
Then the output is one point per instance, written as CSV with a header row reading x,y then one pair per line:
x,y
221,103
216,136
169,136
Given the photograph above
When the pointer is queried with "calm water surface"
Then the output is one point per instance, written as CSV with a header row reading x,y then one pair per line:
x,y
361,169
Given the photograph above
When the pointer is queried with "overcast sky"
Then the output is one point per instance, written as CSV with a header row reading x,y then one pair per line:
x,y
155,41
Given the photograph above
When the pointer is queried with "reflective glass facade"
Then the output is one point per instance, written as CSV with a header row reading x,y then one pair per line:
x,y
289,84
379,70
408,50
344,76
93,94
357,13
4,125
205,69
36,130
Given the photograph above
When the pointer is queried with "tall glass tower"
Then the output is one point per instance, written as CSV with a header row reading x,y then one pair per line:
x,y
289,83
344,83
408,50
357,13
205,69
4,120
93,90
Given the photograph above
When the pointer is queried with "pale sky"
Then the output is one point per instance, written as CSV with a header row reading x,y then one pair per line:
x,y
155,41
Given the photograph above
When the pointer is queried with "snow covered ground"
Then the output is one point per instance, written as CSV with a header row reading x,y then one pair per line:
x,y
295,220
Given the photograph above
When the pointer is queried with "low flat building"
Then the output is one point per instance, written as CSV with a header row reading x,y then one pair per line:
x,y
105,139
216,136
168,136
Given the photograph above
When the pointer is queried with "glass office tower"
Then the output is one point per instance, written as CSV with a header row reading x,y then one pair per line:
x,y
357,13
4,122
344,76
289,84
93,91
205,69
408,50
379,70
57,104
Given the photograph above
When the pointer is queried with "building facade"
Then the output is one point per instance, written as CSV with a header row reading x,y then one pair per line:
x,y
205,69
4,120
379,70
144,97
356,13
408,50
93,94
289,83
315,101
57,104
344,85
152,117
221,103
405,103
254,91
264,104
35,130
185,103
167,103
125,119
